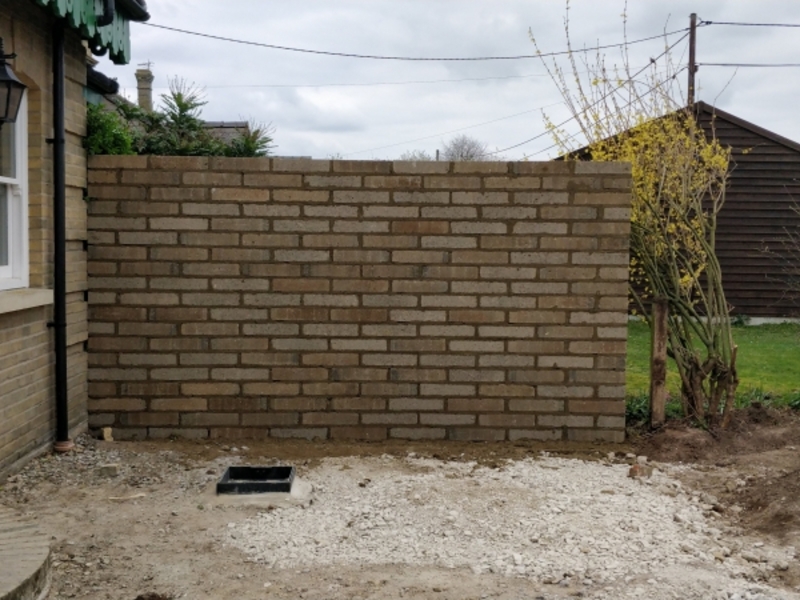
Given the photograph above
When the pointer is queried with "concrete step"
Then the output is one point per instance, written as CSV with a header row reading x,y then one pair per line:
x,y
24,558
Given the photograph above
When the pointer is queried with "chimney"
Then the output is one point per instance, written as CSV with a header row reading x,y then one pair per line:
x,y
144,85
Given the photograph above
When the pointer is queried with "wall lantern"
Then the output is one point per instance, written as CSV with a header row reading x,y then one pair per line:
x,y
11,89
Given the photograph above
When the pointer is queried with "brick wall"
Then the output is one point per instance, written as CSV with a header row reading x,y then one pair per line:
x,y
27,415
372,300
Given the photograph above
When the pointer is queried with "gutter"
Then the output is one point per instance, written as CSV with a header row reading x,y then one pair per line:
x,y
62,442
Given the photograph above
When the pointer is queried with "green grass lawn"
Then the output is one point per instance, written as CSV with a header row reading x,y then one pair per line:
x,y
768,363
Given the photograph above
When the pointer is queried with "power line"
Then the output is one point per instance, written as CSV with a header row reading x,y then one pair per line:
x,y
743,24
428,137
759,65
364,84
599,100
407,58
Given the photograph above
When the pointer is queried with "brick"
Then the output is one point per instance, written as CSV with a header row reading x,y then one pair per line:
x,y
361,166
417,316
446,420
383,388
425,198
148,177
565,421
447,389
308,433
417,345
299,344
299,374
420,256
207,419
450,213
360,197
299,404
360,315
417,433
477,375
270,240
447,360
300,314
360,285
452,183
394,271
359,345
359,404
358,374
147,419
502,242
595,435
369,434
507,420
420,227
389,360
361,256
330,300
270,210
415,404
475,405
564,391
116,405
179,404
536,405
449,242
237,404
330,241
272,180
389,330
395,182
390,419
301,285
300,196
419,287
270,419
210,389
474,346
417,375
390,212
541,435
610,391
611,422
507,390
329,418
539,258
329,388
477,434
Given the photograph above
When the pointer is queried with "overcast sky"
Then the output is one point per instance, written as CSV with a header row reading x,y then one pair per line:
x,y
323,106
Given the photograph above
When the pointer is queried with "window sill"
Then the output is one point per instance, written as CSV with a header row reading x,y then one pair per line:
x,y
24,299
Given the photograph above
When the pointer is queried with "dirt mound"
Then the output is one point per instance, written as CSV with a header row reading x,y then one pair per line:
x,y
755,429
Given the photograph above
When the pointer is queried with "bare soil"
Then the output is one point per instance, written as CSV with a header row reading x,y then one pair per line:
x,y
151,531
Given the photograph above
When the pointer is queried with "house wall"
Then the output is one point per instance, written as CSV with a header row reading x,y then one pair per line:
x,y
342,299
27,418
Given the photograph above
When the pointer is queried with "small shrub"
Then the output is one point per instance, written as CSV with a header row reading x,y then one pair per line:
x,y
106,132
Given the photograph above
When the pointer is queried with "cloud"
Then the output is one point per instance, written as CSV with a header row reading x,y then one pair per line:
x,y
324,120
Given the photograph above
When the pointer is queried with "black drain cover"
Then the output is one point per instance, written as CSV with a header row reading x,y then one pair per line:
x,y
256,480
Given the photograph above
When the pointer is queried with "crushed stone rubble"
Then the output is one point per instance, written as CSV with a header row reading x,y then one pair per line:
x,y
555,521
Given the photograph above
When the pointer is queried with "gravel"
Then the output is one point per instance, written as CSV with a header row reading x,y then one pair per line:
x,y
569,523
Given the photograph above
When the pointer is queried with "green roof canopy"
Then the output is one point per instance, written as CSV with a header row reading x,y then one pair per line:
x,y
82,15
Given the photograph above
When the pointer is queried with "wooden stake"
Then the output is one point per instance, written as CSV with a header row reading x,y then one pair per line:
x,y
658,364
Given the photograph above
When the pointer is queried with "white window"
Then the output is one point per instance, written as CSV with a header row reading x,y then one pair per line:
x,y
14,202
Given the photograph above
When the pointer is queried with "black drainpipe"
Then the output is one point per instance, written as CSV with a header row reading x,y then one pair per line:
x,y
62,443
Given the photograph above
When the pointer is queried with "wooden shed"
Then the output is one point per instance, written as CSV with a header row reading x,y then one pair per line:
x,y
764,187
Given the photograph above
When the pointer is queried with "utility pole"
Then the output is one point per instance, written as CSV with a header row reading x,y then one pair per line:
x,y
692,61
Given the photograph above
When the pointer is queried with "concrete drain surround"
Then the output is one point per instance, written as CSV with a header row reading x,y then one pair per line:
x,y
243,479
24,559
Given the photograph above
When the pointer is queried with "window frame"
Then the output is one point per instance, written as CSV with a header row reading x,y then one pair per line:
x,y
15,275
